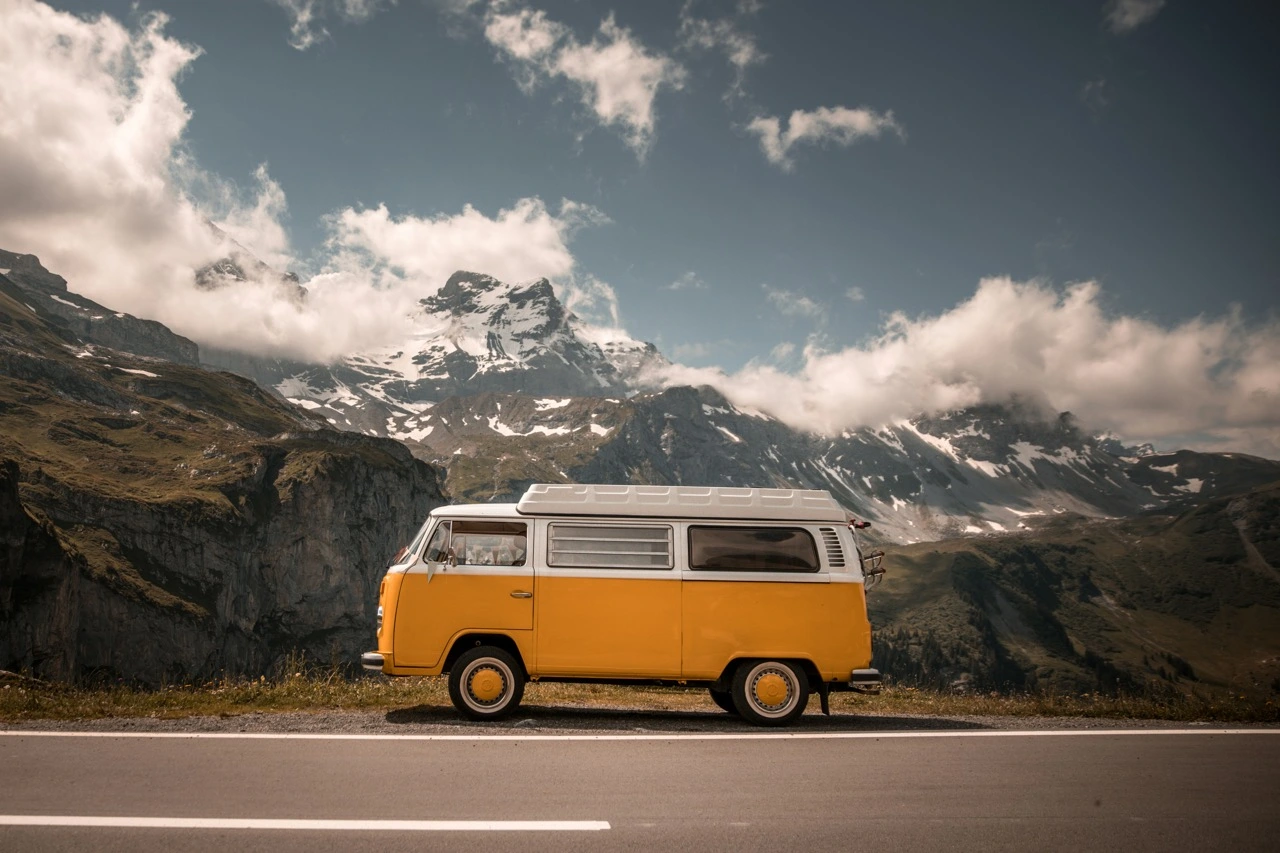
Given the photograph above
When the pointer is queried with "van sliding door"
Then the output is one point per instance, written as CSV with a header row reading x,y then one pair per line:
x,y
608,601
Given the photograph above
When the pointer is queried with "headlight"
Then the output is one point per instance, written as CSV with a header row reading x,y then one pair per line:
x,y
379,618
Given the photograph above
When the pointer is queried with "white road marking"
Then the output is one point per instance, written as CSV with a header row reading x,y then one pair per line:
x,y
645,736
321,825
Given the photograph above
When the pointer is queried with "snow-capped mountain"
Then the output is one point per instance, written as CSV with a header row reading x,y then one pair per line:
x,y
983,470
475,335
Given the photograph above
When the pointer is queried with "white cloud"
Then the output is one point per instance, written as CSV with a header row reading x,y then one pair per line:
x,y
617,77
726,36
1094,95
841,126
1123,16
522,242
792,303
689,281
782,351
90,129
95,181
855,294
305,17
1213,383
257,226
595,302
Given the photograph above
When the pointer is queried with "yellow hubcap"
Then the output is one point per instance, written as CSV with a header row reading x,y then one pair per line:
x,y
486,685
771,689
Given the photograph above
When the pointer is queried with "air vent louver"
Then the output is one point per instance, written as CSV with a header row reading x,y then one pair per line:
x,y
835,554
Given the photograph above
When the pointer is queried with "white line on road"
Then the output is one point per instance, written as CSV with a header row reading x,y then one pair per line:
x,y
645,735
322,825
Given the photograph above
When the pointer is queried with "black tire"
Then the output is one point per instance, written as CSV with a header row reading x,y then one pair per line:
x,y
486,683
770,692
724,699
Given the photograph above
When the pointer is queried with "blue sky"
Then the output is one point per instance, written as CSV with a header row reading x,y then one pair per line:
x,y
1130,144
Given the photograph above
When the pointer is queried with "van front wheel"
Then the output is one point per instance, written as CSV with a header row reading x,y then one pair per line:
x,y
486,683
770,692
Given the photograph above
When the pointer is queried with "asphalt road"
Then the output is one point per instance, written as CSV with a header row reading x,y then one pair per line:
x,y
841,791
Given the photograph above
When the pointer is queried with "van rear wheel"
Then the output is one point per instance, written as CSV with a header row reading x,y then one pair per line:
x,y
486,683
724,699
770,692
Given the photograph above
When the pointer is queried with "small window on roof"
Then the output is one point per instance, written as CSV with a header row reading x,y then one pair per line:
x,y
581,546
752,549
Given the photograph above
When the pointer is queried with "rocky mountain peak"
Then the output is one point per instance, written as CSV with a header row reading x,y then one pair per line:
x,y
27,272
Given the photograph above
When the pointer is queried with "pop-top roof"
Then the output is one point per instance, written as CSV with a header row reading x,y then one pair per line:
x,y
681,502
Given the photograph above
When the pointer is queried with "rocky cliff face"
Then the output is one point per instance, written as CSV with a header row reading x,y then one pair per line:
x,y
47,295
164,521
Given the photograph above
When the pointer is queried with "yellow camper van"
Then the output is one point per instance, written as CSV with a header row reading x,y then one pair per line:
x,y
756,594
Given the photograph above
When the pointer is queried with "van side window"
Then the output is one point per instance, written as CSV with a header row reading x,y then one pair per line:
x,y
752,549
611,547
489,543
438,547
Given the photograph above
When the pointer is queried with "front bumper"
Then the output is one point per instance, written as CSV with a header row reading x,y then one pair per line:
x,y
372,661
865,681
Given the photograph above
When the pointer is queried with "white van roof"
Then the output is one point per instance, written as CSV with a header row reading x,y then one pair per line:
x,y
682,502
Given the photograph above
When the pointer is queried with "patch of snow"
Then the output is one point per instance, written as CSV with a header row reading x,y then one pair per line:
x,y
548,403
973,529
600,430
413,434
502,429
941,444
57,298
4,272
713,410
304,403
729,435
1166,469
991,469
994,525
138,372
1193,486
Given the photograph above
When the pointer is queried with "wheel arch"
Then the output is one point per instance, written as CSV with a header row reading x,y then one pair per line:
x,y
466,642
725,681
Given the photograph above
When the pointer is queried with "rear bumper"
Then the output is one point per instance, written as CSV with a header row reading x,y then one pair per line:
x,y
865,681
372,661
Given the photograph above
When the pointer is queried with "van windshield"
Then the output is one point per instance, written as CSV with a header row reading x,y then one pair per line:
x,y
416,545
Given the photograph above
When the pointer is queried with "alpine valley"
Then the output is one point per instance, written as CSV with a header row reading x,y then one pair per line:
x,y
164,518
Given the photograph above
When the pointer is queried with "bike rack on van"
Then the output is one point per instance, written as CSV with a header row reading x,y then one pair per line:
x,y
872,570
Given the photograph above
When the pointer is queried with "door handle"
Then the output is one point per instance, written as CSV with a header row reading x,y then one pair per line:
x,y
520,593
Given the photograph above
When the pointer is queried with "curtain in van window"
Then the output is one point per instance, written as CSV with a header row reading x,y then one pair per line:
x,y
752,549
489,543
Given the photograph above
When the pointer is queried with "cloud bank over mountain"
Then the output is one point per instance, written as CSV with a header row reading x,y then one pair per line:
x,y
1209,383
95,179
97,182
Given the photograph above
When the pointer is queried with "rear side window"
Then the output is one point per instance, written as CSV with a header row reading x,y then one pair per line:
x,y
613,547
752,549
